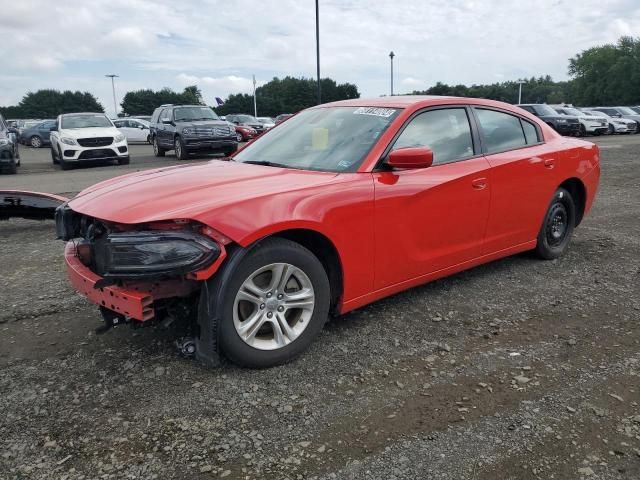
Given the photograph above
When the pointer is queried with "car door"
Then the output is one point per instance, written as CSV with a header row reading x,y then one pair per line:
x,y
165,134
132,131
433,218
44,130
142,130
522,177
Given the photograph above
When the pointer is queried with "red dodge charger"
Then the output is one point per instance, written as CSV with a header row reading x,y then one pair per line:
x,y
341,205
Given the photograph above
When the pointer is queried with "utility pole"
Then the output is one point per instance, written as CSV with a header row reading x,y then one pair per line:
x,y
391,55
255,105
113,89
520,82
318,53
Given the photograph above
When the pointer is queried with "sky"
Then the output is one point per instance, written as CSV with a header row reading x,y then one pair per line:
x,y
220,44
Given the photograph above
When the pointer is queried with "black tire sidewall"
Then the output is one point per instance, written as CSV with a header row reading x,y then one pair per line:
x,y
264,253
183,151
543,249
157,150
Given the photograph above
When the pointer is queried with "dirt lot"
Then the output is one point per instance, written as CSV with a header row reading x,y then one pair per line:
x,y
519,369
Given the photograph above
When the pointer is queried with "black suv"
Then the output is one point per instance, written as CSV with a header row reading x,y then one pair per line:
x,y
246,121
563,124
9,154
190,128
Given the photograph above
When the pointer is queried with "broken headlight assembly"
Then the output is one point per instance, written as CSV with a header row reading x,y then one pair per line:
x,y
152,254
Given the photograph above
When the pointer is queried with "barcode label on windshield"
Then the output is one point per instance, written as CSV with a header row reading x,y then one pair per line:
x,y
378,112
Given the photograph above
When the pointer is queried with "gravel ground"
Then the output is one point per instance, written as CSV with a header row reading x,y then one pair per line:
x,y
520,369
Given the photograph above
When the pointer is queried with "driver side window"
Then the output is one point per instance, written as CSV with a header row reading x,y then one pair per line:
x,y
445,131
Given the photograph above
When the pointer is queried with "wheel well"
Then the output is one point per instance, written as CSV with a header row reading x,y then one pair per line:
x,y
576,188
326,252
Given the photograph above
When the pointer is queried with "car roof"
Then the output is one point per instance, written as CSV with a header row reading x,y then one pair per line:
x,y
81,113
417,101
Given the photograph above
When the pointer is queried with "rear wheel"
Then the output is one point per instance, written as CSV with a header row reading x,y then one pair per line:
x,y
158,151
557,227
276,304
180,149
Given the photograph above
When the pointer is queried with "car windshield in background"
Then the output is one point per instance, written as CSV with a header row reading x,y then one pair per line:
x,y
332,139
86,121
247,119
190,114
626,111
545,110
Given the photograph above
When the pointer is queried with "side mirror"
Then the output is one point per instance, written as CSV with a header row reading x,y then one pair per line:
x,y
14,130
411,157
54,128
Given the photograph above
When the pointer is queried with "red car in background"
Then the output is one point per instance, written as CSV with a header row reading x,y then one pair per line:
x,y
341,205
244,133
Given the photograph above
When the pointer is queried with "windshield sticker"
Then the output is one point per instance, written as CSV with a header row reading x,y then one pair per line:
x,y
378,112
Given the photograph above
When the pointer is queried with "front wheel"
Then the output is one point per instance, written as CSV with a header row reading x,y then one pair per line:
x,y
180,149
35,142
583,131
277,302
54,159
124,161
611,129
557,227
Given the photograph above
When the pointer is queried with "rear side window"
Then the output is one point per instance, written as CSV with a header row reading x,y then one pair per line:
x,y
156,115
501,131
446,132
530,132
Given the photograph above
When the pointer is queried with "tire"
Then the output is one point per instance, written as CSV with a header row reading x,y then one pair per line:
x,y
583,131
54,159
149,140
180,149
611,129
12,169
35,141
124,161
557,226
262,347
158,151
239,137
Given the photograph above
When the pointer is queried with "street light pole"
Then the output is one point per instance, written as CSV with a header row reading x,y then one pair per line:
x,y
318,52
113,89
255,105
520,82
391,55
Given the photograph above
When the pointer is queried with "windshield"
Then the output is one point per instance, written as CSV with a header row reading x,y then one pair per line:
x,y
626,111
85,121
596,113
265,120
545,110
189,114
334,139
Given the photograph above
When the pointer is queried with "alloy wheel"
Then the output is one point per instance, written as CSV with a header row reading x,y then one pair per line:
x,y
273,306
36,142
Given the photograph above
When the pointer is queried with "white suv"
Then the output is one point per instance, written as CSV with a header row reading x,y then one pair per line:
x,y
588,124
87,136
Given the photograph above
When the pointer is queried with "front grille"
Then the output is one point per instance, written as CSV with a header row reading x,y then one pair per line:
x,y
213,131
95,142
97,153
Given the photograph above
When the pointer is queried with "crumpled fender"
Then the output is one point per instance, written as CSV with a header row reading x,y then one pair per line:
x,y
29,205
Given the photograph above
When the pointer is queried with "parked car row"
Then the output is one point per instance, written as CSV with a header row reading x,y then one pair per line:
x,y
569,120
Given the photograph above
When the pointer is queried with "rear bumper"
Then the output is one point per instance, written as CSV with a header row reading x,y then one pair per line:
x,y
134,304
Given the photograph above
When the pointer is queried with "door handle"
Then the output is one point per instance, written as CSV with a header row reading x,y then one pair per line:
x,y
479,183
549,163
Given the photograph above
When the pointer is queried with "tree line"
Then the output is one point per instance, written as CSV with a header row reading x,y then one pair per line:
x,y
603,75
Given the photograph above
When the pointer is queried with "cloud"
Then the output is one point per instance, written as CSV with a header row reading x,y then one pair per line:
x,y
219,44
